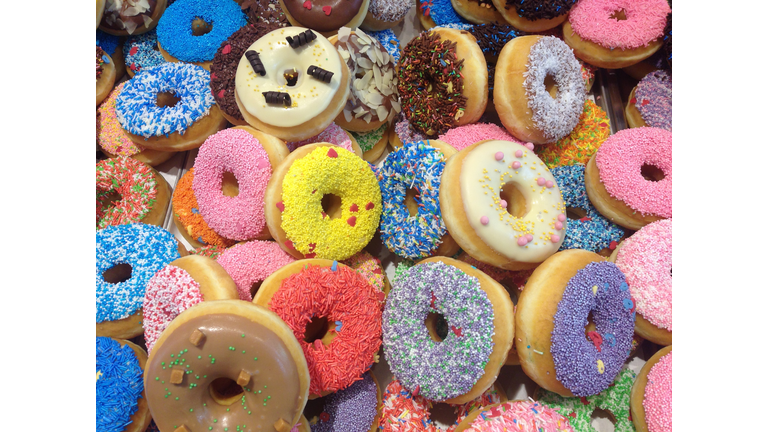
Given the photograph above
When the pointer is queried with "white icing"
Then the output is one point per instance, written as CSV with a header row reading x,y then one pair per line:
x,y
309,97
481,179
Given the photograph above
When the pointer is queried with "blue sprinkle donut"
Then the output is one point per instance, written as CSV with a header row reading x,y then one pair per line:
x,y
174,30
587,367
593,232
146,248
441,12
141,51
107,42
119,385
389,41
417,166
137,109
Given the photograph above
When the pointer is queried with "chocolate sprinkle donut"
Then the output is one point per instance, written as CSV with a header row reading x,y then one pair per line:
x,y
540,9
264,11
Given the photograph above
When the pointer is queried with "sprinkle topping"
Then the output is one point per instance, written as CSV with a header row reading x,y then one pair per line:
x,y
119,385
133,181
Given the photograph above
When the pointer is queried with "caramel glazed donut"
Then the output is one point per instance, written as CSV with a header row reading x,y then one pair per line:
x,y
291,83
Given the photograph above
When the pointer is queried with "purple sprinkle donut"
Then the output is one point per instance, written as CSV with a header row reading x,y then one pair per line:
x,y
653,99
351,409
584,366
447,369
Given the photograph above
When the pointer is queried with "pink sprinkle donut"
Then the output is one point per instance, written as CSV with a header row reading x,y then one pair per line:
x,y
645,258
170,292
658,396
620,160
333,134
250,263
523,416
109,134
593,20
236,151
464,136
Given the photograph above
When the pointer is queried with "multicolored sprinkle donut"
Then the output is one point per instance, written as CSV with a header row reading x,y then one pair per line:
x,y
652,98
141,52
389,41
523,416
250,263
370,268
144,193
583,141
333,134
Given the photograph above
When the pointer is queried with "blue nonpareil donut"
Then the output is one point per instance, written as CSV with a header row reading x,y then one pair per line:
x,y
119,384
141,51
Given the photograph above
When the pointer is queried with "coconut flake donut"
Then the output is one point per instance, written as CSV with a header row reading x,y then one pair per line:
x,y
142,52
169,107
434,93
385,14
502,205
343,345
475,308
250,263
187,217
534,15
552,313
298,219
614,34
646,260
530,106
301,83
356,408
411,223
228,362
593,128
127,256
179,285
325,16
105,75
464,136
113,140
131,17
629,179
651,401
373,143
121,403
519,415
650,103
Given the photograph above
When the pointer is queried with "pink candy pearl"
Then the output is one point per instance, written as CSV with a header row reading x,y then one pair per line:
x,y
484,220
550,183
503,204
529,237
529,146
558,225
499,156
555,238
516,165
561,217
519,153
540,181
522,241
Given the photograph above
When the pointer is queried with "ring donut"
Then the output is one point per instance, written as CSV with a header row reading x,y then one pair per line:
x,y
534,15
518,415
651,399
121,402
105,75
650,102
131,17
187,217
325,16
250,263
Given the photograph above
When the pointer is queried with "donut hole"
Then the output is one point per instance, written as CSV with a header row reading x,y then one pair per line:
x,y
200,27
651,173
117,273
437,326
619,15
443,413
331,205
291,77
229,185
575,213
516,204
255,288
225,391
412,201
603,420
167,100
551,85
318,328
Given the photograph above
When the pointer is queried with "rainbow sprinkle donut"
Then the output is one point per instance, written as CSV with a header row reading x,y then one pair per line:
x,y
143,193
523,416
370,268
141,52
248,264
592,129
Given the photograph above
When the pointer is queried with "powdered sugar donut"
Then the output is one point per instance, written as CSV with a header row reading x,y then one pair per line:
x,y
464,136
250,263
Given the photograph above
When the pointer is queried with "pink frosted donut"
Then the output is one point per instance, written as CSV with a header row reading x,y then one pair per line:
x,y
236,151
333,134
522,416
250,263
593,20
645,258
620,160
658,396
464,136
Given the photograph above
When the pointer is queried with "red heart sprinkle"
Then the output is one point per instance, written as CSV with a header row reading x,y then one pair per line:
x,y
633,101
584,400
280,206
133,67
289,244
613,245
327,10
353,208
213,75
377,270
312,246
572,415
221,94
332,153
227,49
314,191
352,221
324,416
133,51
457,331
432,301
645,102
380,296
369,206
415,391
308,4
310,255
324,215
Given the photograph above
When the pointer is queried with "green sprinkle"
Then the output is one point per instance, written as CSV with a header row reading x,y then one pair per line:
x,y
242,335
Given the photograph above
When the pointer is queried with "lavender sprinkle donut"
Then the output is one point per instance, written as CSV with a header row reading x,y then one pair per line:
x,y
584,366
440,370
653,98
351,409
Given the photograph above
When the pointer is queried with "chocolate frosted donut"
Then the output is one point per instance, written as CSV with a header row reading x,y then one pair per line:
x,y
326,16
264,11
131,17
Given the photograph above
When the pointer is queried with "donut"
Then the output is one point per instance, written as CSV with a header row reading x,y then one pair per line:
x,y
409,179
650,103
120,398
187,217
551,317
591,231
593,128
518,415
646,260
131,17
303,109
373,99
403,411
538,90
333,134
169,107
403,132
389,41
385,14
248,264
435,96
179,285
478,11
464,136
534,15
333,313
531,213
191,31
668,41
127,256
614,34
225,354
210,251
305,222
373,143
225,63
629,178
614,400
356,408
491,39
105,75
325,16
112,45
141,52
239,217
441,13
495,273
264,11
99,11
113,139
651,399
475,308
371,269
129,191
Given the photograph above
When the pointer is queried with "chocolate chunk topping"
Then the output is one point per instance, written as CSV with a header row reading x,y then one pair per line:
x,y
281,98
320,73
540,9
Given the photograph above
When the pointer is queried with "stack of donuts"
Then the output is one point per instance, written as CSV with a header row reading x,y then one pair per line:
x,y
310,219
